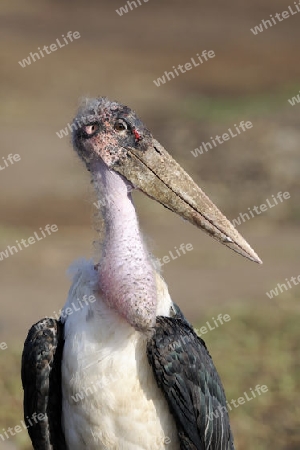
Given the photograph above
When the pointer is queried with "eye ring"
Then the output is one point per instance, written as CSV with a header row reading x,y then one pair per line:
x,y
120,125
91,129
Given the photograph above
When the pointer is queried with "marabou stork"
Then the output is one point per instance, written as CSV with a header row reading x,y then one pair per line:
x,y
145,379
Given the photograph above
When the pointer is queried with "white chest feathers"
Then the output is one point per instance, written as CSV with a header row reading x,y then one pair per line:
x,y
110,397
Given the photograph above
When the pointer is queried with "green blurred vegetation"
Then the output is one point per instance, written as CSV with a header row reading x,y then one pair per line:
x,y
260,346
235,107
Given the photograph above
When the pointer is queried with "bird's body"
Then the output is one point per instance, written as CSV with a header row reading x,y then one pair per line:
x,y
111,374
126,371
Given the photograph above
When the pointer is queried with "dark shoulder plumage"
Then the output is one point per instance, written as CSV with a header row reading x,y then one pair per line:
x,y
185,372
41,379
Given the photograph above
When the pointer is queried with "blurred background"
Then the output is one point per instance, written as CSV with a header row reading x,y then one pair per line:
x,y
251,78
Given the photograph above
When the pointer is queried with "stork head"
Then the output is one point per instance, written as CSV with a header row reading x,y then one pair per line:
x,y
112,132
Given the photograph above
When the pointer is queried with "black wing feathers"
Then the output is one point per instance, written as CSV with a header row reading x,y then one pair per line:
x,y
186,374
41,378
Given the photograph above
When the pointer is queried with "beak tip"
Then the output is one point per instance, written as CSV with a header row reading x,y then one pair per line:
x,y
258,260
254,257
239,245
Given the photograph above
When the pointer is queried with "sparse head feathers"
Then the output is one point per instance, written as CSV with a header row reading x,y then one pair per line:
x,y
105,129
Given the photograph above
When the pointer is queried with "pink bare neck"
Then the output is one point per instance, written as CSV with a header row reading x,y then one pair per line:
x,y
127,277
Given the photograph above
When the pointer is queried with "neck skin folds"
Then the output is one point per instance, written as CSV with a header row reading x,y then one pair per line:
x,y
126,274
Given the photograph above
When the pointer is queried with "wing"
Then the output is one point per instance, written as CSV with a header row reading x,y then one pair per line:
x,y
41,379
185,372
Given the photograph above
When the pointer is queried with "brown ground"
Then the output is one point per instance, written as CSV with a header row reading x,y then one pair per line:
x,y
250,78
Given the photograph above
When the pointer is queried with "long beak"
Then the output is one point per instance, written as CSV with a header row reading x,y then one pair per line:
x,y
159,176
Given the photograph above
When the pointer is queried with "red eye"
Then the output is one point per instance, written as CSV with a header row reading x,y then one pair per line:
x,y
91,129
